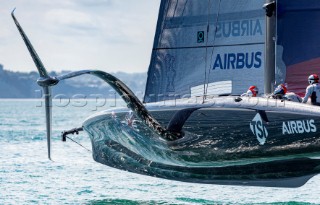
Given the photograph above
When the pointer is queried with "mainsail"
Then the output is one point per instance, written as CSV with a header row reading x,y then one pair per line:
x,y
213,47
298,42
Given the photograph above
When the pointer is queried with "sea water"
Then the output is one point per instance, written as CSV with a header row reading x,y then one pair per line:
x,y
28,177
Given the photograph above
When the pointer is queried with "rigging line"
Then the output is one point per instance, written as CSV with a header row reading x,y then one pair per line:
x,y
163,22
165,5
167,10
164,19
175,9
205,64
184,8
79,144
213,42
163,12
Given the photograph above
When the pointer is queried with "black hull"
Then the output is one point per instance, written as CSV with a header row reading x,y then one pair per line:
x,y
220,146
225,134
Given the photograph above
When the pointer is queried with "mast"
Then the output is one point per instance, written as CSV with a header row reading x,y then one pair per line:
x,y
269,71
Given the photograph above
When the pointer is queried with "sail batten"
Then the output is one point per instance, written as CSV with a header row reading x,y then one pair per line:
x,y
209,46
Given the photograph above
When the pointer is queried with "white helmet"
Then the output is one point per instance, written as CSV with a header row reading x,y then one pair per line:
x,y
314,78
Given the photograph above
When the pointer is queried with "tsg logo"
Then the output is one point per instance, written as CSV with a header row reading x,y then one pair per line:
x,y
258,129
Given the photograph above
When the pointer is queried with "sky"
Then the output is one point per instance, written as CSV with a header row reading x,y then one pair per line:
x,y
109,35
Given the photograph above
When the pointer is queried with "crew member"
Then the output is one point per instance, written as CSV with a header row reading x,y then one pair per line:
x,y
280,91
252,92
313,90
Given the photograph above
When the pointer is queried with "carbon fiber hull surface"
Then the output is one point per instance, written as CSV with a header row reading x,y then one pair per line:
x,y
221,145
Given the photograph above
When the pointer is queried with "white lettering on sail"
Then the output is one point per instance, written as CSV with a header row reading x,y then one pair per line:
x,y
238,60
298,127
238,28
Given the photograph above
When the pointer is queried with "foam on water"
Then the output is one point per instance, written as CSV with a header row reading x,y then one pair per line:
x,y
28,177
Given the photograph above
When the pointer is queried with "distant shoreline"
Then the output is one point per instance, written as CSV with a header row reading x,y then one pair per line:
x,y
23,85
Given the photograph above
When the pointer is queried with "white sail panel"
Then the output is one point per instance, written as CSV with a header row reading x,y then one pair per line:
x,y
242,64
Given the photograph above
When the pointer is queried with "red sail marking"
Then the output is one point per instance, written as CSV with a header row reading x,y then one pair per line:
x,y
297,75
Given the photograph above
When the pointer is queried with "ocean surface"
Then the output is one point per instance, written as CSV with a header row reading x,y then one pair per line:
x,y
28,177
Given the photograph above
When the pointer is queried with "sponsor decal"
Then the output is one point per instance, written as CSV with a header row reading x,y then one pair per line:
x,y
298,127
239,28
258,129
238,60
